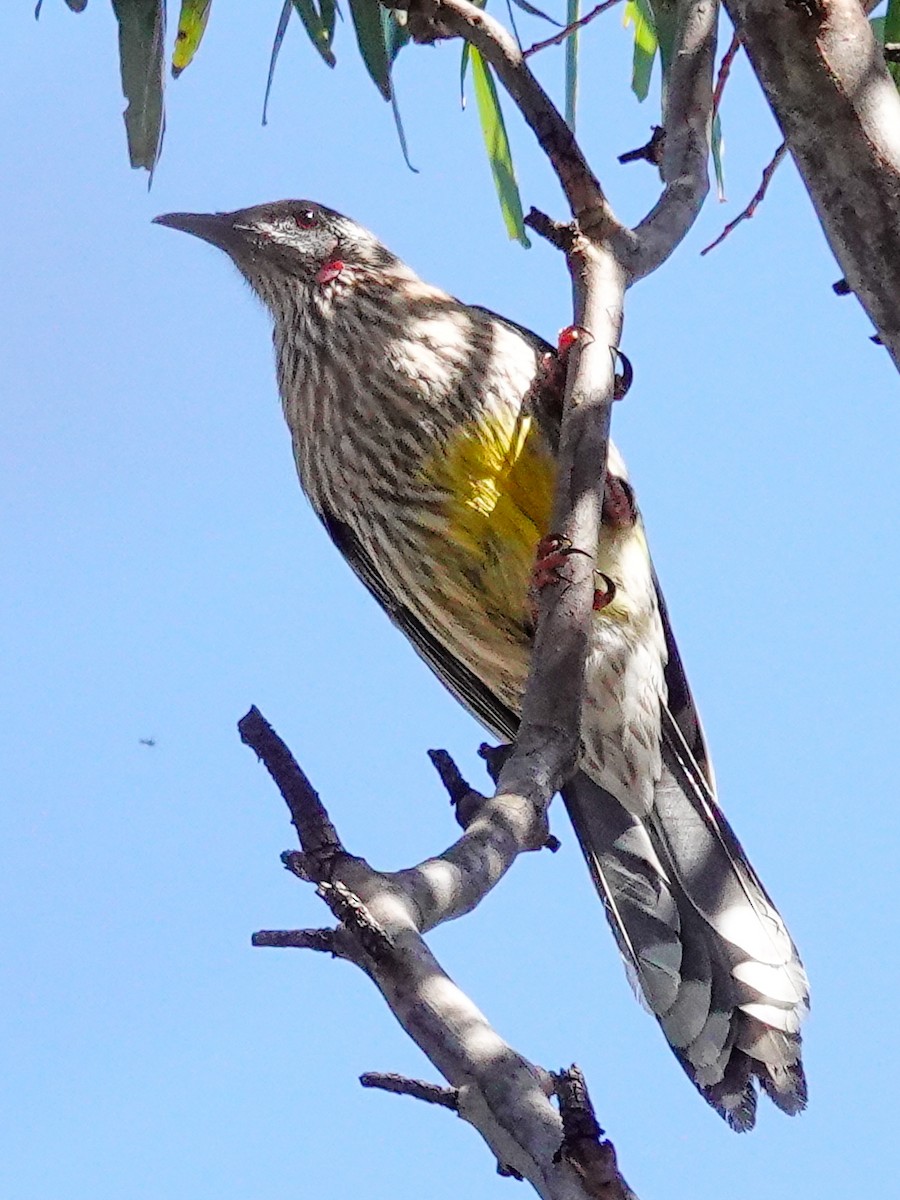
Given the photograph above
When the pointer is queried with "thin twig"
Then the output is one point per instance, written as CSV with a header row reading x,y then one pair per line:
x,y
296,939
419,1089
584,1145
755,202
318,836
725,70
560,37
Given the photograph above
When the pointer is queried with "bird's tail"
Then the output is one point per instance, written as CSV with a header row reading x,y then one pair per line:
x,y
701,939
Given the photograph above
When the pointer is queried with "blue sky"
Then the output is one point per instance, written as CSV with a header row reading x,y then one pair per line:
x,y
161,572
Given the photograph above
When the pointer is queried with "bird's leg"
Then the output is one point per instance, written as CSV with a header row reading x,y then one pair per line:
x,y
619,510
550,554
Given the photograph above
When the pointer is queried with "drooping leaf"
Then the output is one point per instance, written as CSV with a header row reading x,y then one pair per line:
x,y
316,26
191,27
639,14
534,11
366,16
396,36
142,27
496,142
464,63
573,13
463,70
276,50
329,9
887,32
718,150
664,15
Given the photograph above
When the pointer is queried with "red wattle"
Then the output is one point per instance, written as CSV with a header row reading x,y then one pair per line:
x,y
329,270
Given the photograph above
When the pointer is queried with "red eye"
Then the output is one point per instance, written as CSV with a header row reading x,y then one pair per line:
x,y
305,219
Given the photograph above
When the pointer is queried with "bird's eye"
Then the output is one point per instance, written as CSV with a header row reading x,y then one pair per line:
x,y
305,219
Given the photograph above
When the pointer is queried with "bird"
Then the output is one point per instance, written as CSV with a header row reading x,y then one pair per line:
x,y
425,438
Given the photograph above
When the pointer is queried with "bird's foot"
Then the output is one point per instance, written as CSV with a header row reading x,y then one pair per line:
x,y
604,595
550,555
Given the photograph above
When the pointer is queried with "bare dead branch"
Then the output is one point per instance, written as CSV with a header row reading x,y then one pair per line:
x,y
584,1145
560,37
318,836
465,799
419,1089
725,70
650,152
322,940
560,234
758,196
499,1092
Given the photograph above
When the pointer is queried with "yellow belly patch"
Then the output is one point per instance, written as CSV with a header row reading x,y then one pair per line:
x,y
497,479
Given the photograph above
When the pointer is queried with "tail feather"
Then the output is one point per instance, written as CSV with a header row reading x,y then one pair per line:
x,y
700,936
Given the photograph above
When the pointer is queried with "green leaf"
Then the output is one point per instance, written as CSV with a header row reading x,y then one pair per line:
x,y
142,28
317,27
276,50
366,16
191,27
463,69
890,35
718,150
396,36
639,14
573,12
534,11
496,142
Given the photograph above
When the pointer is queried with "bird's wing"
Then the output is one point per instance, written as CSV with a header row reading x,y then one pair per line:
x,y
681,706
454,675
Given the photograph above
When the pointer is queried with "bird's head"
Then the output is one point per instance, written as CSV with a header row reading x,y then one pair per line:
x,y
286,243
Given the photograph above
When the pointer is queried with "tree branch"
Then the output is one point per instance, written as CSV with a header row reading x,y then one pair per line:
x,y
560,37
687,114
419,1089
500,1093
432,19
821,68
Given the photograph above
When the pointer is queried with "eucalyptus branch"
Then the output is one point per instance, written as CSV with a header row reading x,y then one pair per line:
x,y
560,37
494,1088
821,69
755,200
429,20
687,116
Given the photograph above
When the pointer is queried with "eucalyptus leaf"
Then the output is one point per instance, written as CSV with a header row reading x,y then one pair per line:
x,y
276,50
396,36
534,11
891,36
717,144
496,142
573,13
142,28
639,14
366,15
316,26
191,27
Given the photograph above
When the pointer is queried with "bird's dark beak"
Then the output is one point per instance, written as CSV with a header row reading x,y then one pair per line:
x,y
217,228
